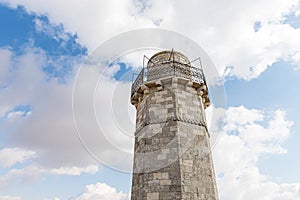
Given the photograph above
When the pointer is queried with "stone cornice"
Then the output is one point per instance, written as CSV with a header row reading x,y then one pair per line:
x,y
144,89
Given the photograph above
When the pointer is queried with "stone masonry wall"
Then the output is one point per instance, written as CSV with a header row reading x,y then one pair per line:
x,y
172,155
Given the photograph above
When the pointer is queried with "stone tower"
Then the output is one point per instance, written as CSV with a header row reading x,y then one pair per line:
x,y
172,157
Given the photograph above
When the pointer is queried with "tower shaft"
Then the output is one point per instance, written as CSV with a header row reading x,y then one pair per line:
x,y
172,157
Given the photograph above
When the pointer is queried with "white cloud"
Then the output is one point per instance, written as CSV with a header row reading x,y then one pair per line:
x,y
35,172
75,171
11,156
260,137
26,74
237,116
296,60
48,135
50,129
101,191
9,198
236,155
105,126
13,115
17,114
229,37
224,29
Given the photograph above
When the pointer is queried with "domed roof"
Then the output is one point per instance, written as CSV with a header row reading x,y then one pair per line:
x,y
167,56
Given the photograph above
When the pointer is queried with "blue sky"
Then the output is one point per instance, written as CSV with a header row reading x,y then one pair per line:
x,y
43,44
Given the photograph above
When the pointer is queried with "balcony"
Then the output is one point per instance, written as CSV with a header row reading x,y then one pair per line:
x,y
168,64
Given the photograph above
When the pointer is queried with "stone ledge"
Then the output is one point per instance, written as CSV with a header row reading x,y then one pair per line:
x,y
144,89
177,119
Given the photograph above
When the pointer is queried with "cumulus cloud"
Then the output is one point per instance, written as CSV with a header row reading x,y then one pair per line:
x,y
45,133
75,171
11,156
48,128
101,191
35,172
225,29
104,118
247,135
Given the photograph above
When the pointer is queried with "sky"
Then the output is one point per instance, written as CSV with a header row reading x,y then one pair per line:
x,y
66,123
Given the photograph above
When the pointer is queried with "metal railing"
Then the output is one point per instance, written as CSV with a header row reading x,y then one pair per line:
x,y
165,69
138,81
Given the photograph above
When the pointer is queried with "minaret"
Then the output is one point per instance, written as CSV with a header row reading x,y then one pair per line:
x,y
172,157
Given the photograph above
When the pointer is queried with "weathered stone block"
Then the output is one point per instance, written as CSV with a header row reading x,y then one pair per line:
x,y
153,196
